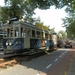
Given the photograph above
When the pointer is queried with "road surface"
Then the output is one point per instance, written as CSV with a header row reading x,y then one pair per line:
x,y
43,64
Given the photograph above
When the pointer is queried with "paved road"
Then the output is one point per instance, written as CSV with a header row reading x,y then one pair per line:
x,y
36,66
61,68
46,62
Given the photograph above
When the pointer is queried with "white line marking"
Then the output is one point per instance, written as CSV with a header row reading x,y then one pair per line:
x,y
49,65
56,59
60,56
1,53
63,53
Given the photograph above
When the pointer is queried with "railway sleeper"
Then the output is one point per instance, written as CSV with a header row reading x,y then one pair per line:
x,y
8,63
1,60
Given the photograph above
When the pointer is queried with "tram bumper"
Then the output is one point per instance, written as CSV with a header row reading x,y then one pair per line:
x,y
11,49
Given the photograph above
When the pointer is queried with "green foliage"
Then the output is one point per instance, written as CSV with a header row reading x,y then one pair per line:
x,y
42,4
18,8
71,29
4,16
45,4
69,22
62,33
14,7
52,30
25,8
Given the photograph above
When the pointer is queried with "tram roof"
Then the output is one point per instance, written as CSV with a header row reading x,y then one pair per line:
x,y
26,24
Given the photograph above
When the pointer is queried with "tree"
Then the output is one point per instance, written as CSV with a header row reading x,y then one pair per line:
x,y
52,30
18,8
69,22
25,8
71,30
45,4
62,34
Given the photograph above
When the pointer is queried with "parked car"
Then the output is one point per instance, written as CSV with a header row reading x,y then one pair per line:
x,y
68,44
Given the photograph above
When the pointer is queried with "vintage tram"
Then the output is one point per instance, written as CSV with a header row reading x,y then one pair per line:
x,y
26,37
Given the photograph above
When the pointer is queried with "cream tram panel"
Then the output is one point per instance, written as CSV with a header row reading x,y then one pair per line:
x,y
26,34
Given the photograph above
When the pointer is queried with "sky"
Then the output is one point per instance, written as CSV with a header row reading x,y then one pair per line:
x,y
1,2
50,17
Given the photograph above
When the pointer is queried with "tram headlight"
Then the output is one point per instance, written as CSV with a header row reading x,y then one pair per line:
x,y
10,43
6,43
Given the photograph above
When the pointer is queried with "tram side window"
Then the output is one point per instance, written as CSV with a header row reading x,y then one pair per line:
x,y
8,32
49,36
38,34
33,33
23,32
16,32
46,36
1,40
11,32
4,34
28,33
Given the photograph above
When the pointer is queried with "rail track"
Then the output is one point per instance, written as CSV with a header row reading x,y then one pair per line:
x,y
13,60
